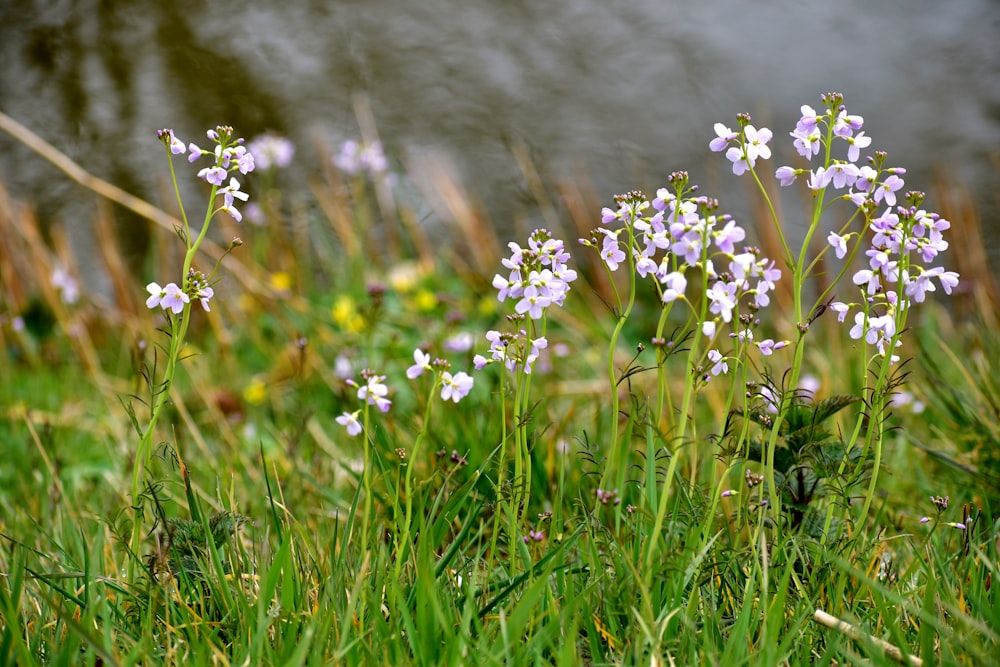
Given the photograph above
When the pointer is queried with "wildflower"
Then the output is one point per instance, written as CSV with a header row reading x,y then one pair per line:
x,y
887,190
231,193
170,297
255,392
374,391
422,362
197,288
214,175
720,367
270,150
608,497
767,346
168,138
725,135
786,175
534,536
675,283
66,285
857,142
349,420
839,244
460,342
611,253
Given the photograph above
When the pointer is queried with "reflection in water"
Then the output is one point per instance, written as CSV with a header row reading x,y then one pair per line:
x,y
615,94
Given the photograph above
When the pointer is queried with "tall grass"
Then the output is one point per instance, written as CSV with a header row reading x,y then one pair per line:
x,y
266,539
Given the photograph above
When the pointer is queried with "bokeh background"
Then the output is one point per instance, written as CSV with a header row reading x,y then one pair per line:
x,y
611,94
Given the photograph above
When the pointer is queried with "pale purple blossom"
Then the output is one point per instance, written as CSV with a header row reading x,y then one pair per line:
x,y
720,366
422,362
270,150
674,286
724,136
349,420
214,175
171,297
786,175
455,387
66,284
839,244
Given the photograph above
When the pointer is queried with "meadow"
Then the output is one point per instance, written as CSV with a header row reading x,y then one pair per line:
x,y
309,428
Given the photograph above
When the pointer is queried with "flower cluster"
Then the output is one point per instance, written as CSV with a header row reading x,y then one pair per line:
x,y
677,231
513,349
453,387
744,147
538,279
356,157
270,150
373,391
173,298
538,275
899,236
230,155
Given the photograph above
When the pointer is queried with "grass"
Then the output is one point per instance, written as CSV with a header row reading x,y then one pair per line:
x,y
259,546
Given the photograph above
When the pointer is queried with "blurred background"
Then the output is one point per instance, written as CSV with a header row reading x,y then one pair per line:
x,y
610,95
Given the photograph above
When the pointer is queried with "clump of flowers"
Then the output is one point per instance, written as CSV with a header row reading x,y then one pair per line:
x,y
228,155
537,279
899,243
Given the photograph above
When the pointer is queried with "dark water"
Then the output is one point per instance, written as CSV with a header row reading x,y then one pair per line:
x,y
617,93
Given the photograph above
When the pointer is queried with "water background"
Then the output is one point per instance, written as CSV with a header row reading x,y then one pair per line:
x,y
614,94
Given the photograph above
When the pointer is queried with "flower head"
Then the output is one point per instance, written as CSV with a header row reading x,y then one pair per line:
x,y
455,387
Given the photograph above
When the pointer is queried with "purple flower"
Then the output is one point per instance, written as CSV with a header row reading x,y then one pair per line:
x,y
819,179
844,174
785,175
611,253
730,235
720,367
725,135
422,362
839,244
809,119
455,387
270,150
66,285
349,420
203,295
807,143
374,391
887,190
214,175
231,193
740,159
841,309
756,143
675,283
176,145
170,298
857,142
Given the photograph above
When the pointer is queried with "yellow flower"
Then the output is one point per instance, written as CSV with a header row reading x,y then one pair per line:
x,y
281,281
255,392
425,300
345,314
